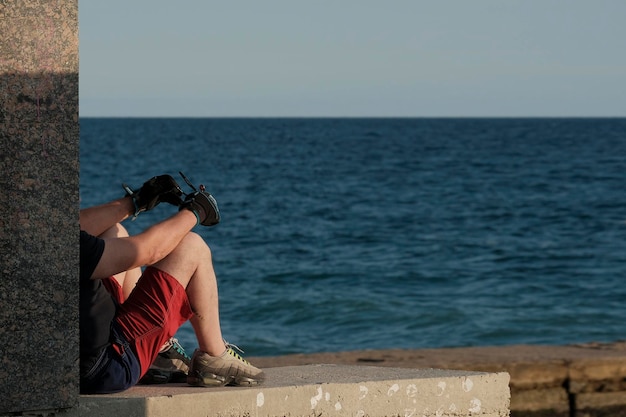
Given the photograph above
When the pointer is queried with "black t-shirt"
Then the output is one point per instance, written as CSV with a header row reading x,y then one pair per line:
x,y
97,308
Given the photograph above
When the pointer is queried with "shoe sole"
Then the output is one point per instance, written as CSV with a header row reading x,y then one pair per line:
x,y
243,381
157,376
207,380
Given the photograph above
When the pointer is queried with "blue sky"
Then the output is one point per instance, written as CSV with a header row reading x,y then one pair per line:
x,y
349,58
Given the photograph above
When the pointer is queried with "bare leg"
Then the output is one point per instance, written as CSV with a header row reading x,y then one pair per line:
x,y
192,265
128,279
213,364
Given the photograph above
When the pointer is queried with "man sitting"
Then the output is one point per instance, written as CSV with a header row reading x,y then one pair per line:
x,y
123,328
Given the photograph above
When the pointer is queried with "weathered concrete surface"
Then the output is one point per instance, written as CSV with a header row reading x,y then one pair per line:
x,y
545,380
582,381
319,390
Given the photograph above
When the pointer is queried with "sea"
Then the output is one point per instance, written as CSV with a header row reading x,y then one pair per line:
x,y
342,234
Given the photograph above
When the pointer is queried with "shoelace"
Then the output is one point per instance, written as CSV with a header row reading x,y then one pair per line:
x,y
231,351
231,345
178,347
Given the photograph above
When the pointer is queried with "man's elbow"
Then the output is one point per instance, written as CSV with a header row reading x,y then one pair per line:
x,y
154,255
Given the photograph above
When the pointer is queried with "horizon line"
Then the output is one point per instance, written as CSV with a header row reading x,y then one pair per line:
x,y
348,117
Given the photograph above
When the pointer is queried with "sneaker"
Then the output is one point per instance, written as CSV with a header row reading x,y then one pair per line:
x,y
170,365
227,369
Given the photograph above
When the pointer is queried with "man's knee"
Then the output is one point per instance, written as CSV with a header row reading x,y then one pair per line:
x,y
197,241
185,259
194,243
117,230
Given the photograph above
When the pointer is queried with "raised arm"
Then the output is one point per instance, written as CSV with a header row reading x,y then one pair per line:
x,y
146,248
95,220
156,242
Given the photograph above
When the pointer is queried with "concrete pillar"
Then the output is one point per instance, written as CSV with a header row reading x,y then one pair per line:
x,y
39,136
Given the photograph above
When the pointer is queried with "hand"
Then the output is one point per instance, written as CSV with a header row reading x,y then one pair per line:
x,y
155,190
204,206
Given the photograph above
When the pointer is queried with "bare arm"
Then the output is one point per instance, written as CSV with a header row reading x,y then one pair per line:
x,y
95,220
146,248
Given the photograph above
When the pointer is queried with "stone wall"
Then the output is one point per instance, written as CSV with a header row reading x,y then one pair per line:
x,y
39,133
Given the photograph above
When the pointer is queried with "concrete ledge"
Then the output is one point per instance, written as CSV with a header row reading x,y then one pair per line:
x,y
319,390
557,381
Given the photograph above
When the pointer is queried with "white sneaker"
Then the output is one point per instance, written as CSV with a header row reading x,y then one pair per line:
x,y
227,369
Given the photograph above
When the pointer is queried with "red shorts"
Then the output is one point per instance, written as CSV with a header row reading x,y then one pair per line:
x,y
153,312
114,288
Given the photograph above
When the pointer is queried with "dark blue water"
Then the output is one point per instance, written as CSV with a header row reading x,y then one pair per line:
x,y
343,234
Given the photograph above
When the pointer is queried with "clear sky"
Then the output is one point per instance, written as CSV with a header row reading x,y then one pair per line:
x,y
353,58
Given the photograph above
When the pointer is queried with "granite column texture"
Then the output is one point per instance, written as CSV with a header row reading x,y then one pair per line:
x,y
39,136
